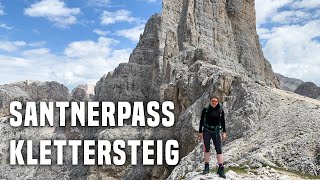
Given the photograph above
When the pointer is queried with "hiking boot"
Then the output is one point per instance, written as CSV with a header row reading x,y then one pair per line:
x,y
206,170
221,172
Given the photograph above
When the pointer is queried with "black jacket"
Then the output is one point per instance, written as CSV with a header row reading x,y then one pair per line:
x,y
213,118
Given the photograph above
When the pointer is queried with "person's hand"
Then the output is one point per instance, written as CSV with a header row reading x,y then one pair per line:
x,y
200,135
224,136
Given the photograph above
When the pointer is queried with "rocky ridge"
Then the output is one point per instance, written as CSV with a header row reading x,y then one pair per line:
x,y
288,84
31,91
35,91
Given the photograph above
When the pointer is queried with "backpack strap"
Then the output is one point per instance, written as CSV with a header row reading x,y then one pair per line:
x,y
205,115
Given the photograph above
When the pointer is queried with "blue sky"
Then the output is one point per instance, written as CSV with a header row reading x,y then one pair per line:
x,y
78,41
29,21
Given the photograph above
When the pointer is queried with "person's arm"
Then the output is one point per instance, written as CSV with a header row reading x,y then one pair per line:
x,y
201,124
201,120
223,122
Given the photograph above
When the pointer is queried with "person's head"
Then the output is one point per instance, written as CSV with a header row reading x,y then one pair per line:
x,y
214,101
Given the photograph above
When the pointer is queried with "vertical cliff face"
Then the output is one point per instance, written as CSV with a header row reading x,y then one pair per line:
x,y
249,52
224,30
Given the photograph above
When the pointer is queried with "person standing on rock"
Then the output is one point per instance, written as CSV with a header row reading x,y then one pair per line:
x,y
211,123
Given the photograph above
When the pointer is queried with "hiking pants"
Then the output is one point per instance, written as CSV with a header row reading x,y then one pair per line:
x,y
216,138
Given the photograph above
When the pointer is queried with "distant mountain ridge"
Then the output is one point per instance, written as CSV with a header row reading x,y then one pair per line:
x,y
298,86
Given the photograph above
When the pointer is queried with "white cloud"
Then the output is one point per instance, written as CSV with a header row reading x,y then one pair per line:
x,y
308,4
89,60
264,33
133,34
79,66
7,46
41,52
121,15
89,48
89,69
55,11
289,32
293,52
4,26
2,10
101,32
305,72
292,16
20,43
11,46
14,69
100,3
149,1
294,43
268,8
37,44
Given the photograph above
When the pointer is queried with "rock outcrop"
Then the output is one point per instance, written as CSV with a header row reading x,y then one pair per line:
x,y
83,92
308,89
288,84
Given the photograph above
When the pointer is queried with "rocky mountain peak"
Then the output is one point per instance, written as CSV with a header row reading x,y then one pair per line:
x,y
220,32
83,92
227,29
